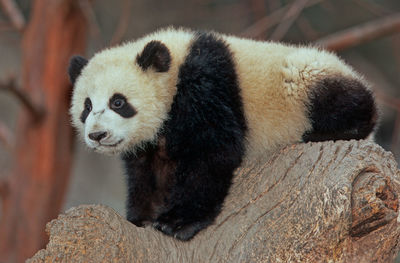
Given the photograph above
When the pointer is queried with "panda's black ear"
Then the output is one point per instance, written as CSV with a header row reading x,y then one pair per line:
x,y
155,54
76,64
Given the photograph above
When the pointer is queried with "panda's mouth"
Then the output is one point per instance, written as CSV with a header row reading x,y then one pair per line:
x,y
111,144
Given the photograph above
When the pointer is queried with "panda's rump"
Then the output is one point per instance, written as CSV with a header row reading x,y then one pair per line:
x,y
293,94
273,98
340,105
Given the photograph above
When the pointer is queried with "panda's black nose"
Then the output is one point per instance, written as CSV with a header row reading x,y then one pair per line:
x,y
97,136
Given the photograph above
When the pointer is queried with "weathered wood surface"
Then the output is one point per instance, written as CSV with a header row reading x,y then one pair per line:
x,y
319,202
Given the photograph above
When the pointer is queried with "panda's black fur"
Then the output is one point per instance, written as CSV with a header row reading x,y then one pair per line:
x,y
207,106
178,182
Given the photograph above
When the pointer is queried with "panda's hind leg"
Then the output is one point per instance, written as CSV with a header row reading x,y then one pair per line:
x,y
340,108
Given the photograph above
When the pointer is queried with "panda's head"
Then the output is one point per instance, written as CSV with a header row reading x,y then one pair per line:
x,y
121,96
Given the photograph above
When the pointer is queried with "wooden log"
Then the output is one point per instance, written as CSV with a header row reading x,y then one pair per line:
x,y
316,202
36,188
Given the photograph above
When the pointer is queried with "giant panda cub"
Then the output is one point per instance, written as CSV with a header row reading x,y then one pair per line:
x,y
185,108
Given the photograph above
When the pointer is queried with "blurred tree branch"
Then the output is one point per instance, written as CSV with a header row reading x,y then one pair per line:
x,y
5,26
35,109
6,137
14,14
94,28
288,19
122,23
361,33
306,28
258,8
4,191
279,16
372,7
274,4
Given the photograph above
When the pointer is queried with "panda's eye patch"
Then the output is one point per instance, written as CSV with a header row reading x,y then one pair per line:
x,y
87,108
120,105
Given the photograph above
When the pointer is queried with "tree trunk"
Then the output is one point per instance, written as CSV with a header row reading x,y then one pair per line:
x,y
317,202
43,152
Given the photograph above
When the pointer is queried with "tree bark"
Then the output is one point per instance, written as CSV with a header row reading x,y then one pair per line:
x,y
43,153
316,202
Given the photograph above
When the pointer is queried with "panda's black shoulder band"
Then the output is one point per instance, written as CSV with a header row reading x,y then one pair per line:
x,y
204,135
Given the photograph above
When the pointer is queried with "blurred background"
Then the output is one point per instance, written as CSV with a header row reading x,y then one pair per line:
x,y
44,170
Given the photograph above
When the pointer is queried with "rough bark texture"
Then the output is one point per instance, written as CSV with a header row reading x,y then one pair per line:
x,y
43,150
317,202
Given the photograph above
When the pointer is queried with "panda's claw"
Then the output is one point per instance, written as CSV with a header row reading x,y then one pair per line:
x,y
181,232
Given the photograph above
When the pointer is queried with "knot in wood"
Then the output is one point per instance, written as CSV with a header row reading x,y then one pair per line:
x,y
374,202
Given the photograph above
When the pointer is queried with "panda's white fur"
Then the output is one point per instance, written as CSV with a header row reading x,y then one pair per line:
x,y
274,79
179,155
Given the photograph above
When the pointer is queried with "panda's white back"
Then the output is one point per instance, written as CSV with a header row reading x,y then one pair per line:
x,y
275,81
